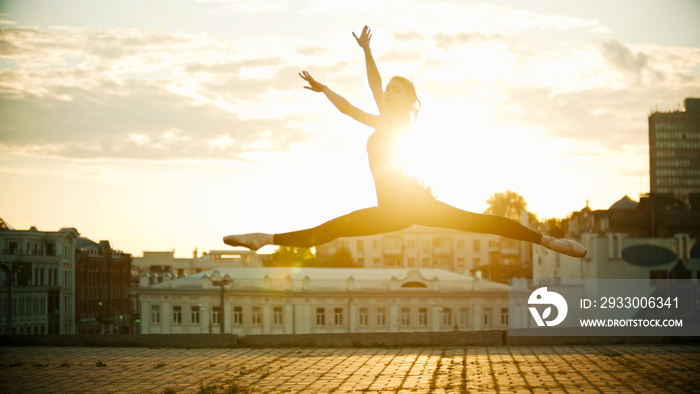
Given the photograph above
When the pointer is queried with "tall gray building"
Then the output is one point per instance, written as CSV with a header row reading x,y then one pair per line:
x,y
674,151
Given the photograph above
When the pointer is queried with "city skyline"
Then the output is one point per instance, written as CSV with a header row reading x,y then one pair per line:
x,y
167,125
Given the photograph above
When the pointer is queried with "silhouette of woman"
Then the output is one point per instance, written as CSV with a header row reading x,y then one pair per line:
x,y
402,201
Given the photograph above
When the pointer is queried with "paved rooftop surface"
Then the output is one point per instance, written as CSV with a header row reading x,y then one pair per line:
x,y
599,368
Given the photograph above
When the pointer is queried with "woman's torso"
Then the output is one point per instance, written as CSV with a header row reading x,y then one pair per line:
x,y
391,184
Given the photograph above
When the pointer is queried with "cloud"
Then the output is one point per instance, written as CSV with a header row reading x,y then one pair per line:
x,y
309,50
408,36
623,58
4,21
447,41
129,93
136,119
611,118
451,16
252,6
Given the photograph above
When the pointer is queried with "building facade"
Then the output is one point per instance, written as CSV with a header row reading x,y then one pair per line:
x,y
674,151
161,262
654,216
102,289
419,247
650,239
37,284
321,300
619,256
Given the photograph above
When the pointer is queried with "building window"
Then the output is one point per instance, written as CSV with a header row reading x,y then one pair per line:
x,y
194,314
320,316
460,244
411,262
155,314
338,316
257,316
360,246
426,261
216,315
393,242
423,317
363,317
464,317
410,244
405,317
476,245
277,316
237,315
477,262
377,261
504,316
376,244
177,314
447,316
487,317
381,317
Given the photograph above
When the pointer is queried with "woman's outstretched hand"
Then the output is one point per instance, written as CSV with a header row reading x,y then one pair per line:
x,y
313,84
365,36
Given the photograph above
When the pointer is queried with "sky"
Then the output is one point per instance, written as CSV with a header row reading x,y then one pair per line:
x,y
165,125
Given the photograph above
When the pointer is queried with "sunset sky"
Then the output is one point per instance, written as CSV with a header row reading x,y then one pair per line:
x,y
161,125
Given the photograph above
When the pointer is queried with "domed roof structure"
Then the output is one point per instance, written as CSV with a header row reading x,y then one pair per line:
x,y
625,203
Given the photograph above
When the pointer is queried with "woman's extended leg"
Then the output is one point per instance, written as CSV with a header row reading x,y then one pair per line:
x,y
378,220
368,221
439,214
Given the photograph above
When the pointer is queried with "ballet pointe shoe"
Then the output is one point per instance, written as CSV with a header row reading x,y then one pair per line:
x,y
252,241
564,246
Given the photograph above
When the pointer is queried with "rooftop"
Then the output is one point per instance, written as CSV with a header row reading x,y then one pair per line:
x,y
337,279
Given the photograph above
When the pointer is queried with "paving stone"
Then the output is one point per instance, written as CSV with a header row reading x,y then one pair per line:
x,y
540,369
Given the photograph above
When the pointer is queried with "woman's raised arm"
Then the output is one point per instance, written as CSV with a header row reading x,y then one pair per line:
x,y
340,102
373,77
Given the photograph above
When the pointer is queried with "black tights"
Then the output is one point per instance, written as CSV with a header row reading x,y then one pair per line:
x,y
394,217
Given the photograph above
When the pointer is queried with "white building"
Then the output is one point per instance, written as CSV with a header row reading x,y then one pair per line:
x,y
37,289
321,300
619,256
160,262
418,247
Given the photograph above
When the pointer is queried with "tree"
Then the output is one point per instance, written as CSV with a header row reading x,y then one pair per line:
x,y
342,258
554,228
287,256
509,204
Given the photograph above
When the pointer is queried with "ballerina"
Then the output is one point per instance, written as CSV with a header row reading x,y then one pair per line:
x,y
402,201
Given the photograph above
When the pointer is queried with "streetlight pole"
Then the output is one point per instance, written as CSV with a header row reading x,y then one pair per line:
x,y
221,283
